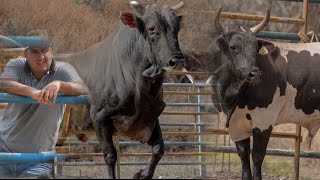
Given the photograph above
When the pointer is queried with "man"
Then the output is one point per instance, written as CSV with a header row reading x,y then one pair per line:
x,y
33,128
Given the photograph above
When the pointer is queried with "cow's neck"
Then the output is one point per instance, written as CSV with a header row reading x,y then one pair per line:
x,y
261,95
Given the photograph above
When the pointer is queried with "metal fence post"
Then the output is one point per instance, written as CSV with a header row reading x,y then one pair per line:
x,y
116,142
54,170
58,168
201,138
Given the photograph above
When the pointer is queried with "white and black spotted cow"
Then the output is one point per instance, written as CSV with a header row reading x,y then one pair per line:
x,y
259,84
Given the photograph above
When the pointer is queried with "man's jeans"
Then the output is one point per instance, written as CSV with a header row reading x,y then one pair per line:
x,y
25,170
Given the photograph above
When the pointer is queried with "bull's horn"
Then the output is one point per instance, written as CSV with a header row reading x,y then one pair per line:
x,y
256,29
178,6
138,8
217,24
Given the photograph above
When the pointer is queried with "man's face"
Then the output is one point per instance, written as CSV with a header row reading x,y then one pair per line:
x,y
39,59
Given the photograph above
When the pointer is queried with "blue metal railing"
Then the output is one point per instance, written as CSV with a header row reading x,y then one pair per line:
x,y
10,98
8,42
29,157
280,35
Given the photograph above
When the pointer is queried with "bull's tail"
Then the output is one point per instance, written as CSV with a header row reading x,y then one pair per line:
x,y
308,140
229,114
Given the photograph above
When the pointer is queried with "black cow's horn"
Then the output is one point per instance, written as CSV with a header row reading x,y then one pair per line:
x,y
138,8
256,29
217,24
178,6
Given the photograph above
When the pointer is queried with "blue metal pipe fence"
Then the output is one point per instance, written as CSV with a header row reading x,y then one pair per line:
x,y
280,35
10,98
8,42
29,157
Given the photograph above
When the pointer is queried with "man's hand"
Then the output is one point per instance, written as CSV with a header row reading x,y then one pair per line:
x,y
35,94
49,92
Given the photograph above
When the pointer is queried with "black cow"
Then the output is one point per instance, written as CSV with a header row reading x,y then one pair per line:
x,y
258,84
124,74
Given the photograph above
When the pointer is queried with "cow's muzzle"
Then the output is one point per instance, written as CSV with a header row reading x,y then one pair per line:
x,y
251,75
254,77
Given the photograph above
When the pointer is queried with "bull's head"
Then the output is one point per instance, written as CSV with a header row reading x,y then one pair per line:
x,y
159,26
241,48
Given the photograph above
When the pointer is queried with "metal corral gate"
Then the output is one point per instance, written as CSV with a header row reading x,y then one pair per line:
x,y
204,148
198,125
200,130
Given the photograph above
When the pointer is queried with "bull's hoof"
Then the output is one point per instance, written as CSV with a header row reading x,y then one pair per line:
x,y
142,175
246,175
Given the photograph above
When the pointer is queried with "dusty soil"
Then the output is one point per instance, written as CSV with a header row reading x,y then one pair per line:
x,y
217,176
234,176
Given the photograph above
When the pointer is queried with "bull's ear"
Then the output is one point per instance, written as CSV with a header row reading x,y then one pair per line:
x,y
222,44
132,21
264,46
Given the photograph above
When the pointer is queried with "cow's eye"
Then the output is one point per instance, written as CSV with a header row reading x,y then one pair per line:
x,y
152,29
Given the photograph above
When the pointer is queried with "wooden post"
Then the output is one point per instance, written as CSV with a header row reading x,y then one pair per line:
x,y
305,14
297,153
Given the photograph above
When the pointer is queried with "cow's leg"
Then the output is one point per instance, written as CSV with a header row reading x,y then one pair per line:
x,y
260,143
157,144
104,130
243,149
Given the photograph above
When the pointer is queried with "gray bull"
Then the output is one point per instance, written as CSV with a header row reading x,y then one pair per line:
x,y
260,84
124,74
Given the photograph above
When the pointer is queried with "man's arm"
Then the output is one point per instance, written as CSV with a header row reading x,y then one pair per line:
x,y
50,91
13,87
72,88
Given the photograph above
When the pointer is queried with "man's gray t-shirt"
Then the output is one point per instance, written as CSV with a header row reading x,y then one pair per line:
x,y
33,128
